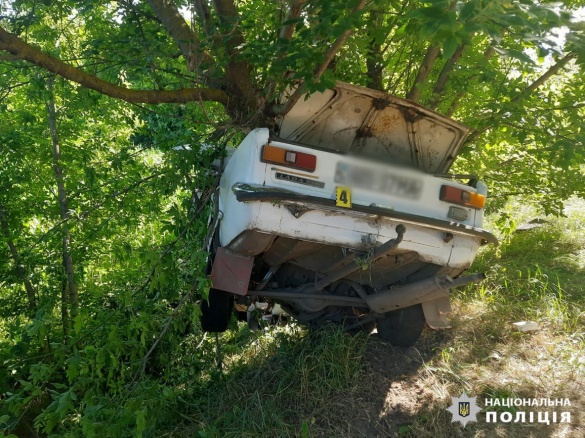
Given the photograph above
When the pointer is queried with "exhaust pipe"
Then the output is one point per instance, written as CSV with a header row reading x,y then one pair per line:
x,y
417,292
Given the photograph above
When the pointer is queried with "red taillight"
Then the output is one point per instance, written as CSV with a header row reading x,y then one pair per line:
x,y
455,195
288,158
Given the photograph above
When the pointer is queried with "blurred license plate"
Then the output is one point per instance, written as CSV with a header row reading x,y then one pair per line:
x,y
378,180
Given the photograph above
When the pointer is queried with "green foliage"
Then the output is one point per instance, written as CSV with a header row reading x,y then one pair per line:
x,y
138,221
537,274
273,382
138,217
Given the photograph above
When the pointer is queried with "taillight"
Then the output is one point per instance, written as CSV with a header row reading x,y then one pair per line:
x,y
285,157
455,195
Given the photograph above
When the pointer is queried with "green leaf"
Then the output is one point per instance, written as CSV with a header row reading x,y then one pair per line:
x,y
140,422
467,10
450,46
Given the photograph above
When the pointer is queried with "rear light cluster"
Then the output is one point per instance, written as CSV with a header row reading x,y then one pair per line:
x,y
288,158
455,195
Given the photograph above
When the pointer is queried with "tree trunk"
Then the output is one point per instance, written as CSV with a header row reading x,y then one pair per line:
x,y
243,105
375,60
423,72
65,311
70,294
444,76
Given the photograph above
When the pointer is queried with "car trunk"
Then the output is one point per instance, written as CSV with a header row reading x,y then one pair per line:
x,y
360,121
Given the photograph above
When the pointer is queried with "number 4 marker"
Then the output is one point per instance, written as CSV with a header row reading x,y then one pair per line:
x,y
343,197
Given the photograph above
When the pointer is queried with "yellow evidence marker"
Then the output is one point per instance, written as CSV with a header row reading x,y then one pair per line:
x,y
343,197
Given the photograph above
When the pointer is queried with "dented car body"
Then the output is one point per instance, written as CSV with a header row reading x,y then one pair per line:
x,y
344,212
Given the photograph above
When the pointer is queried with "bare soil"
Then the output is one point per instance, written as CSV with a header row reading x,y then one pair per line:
x,y
396,397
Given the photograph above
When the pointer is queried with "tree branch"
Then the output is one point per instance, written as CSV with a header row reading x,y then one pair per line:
x,y
455,103
202,11
294,12
546,76
286,33
374,58
168,14
24,51
329,55
423,72
444,76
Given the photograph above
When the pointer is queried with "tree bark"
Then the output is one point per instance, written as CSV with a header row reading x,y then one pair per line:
x,y
26,52
202,11
168,14
70,293
294,12
65,321
244,104
456,102
329,55
444,76
375,60
423,72
286,33
31,293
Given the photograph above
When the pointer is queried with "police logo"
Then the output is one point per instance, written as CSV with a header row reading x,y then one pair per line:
x,y
464,409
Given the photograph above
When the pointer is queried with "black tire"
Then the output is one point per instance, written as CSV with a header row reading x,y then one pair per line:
x,y
402,327
217,311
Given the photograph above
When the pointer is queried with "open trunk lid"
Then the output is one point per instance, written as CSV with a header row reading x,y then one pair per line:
x,y
370,123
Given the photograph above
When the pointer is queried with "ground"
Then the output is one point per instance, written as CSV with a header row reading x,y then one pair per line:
x,y
404,395
288,381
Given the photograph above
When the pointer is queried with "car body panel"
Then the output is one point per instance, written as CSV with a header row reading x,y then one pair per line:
x,y
366,214
343,227
371,123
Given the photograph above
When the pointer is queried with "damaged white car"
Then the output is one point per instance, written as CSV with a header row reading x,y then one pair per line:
x,y
345,213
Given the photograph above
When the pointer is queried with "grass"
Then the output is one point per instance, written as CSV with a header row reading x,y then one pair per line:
x,y
537,275
274,383
290,382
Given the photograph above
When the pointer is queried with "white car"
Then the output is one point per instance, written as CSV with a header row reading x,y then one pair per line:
x,y
344,212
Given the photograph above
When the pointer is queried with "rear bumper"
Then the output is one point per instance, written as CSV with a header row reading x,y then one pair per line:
x,y
250,193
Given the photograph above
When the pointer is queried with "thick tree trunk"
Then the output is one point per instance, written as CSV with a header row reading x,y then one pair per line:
x,y
244,103
20,270
71,292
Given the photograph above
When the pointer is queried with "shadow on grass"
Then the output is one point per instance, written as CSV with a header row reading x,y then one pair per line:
x,y
289,382
537,276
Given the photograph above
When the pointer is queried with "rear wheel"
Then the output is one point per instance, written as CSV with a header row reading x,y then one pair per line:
x,y
216,311
402,327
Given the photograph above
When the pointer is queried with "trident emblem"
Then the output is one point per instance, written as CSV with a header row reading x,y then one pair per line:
x,y
464,409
